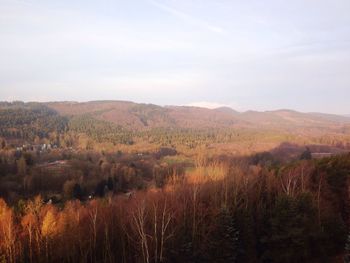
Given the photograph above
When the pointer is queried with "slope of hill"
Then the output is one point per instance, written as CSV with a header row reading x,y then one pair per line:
x,y
295,121
29,120
196,117
147,116
134,116
123,113
146,126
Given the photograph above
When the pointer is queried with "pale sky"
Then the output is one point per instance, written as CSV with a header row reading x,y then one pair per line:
x,y
259,55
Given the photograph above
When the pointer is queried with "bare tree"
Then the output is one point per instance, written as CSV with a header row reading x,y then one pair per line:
x,y
139,220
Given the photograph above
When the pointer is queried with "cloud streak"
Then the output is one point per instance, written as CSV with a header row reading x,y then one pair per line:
x,y
189,18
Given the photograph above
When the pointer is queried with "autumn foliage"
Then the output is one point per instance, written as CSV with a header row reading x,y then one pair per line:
x,y
217,212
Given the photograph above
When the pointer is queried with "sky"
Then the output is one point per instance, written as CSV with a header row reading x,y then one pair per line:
x,y
252,54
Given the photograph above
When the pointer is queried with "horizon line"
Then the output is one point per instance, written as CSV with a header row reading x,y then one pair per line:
x,y
190,105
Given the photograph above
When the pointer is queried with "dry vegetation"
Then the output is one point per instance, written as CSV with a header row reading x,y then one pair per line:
x,y
216,212
126,182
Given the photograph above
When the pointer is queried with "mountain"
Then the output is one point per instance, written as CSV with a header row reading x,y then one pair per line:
x,y
139,116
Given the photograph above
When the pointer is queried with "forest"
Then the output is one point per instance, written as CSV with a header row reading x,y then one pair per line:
x,y
218,211
74,188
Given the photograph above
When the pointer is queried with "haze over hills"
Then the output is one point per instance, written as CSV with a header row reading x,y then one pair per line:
x,y
141,116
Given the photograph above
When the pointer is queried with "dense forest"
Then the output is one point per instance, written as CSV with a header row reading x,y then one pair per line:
x,y
218,211
80,188
100,131
35,123
29,121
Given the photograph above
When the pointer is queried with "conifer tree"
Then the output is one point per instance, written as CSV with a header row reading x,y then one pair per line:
x,y
347,250
224,242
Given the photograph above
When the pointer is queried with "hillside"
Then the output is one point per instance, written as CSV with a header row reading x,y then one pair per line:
x,y
29,121
148,126
238,186
135,116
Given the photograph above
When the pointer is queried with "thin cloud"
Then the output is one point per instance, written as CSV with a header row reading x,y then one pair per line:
x,y
189,19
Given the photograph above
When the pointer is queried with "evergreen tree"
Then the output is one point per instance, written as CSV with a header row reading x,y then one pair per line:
x,y
347,250
289,232
224,241
110,183
22,166
3,144
77,192
306,155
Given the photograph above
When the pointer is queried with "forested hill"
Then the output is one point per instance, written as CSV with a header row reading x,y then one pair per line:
x,y
124,122
134,116
29,121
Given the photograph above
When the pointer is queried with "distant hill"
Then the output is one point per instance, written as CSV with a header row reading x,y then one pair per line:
x,y
129,123
147,116
139,116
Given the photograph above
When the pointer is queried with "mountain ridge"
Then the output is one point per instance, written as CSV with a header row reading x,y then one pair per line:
x,y
145,115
